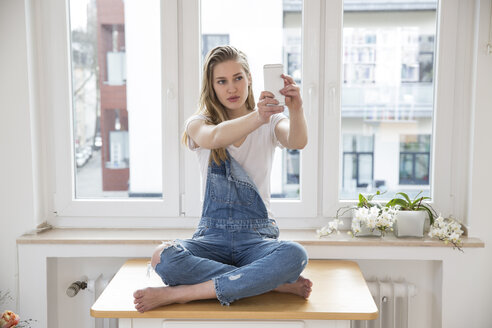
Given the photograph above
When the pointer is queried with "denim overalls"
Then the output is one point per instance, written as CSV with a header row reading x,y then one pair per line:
x,y
235,244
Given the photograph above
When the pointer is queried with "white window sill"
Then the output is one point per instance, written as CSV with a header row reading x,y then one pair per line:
x,y
306,237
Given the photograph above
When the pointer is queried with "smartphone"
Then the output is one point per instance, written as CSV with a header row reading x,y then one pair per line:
x,y
273,81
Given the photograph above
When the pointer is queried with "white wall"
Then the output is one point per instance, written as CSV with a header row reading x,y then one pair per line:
x,y
64,271
19,206
477,285
19,195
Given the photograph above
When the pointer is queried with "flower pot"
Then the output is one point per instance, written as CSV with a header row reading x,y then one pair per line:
x,y
410,223
367,232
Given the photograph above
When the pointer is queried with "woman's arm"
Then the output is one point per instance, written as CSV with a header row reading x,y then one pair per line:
x,y
228,132
292,132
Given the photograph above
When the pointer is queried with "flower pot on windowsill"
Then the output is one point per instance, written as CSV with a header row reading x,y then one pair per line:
x,y
410,223
367,232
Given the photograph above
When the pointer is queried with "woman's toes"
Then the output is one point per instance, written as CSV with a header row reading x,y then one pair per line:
x,y
138,293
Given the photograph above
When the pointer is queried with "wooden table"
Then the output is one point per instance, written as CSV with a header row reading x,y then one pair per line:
x,y
340,294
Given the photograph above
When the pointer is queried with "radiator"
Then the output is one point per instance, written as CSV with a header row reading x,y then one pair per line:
x,y
392,300
97,286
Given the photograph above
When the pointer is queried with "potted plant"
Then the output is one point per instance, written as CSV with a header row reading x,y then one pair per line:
x,y
410,219
369,218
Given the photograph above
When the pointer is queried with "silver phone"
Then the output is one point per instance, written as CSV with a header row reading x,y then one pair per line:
x,y
273,81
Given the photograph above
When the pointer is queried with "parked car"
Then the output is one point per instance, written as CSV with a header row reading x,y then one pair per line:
x,y
97,142
82,155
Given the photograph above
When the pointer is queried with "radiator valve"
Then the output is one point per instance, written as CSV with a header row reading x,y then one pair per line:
x,y
75,287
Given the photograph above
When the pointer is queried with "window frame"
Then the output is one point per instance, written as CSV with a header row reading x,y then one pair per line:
x,y
306,206
56,56
320,170
448,183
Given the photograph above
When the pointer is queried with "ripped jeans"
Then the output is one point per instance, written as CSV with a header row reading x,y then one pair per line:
x,y
243,258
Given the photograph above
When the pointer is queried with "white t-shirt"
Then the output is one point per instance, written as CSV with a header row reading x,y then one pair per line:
x,y
255,155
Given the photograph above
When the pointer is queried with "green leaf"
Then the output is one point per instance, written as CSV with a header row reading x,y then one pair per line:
x,y
403,204
417,196
405,196
429,212
419,201
390,203
415,202
362,201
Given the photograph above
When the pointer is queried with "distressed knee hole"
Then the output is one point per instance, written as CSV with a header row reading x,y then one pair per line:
x,y
156,257
235,277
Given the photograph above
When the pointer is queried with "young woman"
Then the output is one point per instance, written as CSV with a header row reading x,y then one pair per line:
x,y
235,252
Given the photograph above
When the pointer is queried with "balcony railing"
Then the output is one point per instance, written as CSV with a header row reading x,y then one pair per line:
x,y
403,102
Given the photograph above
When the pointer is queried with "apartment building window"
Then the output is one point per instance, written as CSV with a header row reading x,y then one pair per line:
x,y
210,41
358,158
414,159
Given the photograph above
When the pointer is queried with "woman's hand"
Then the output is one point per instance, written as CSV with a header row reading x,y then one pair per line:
x,y
267,106
292,93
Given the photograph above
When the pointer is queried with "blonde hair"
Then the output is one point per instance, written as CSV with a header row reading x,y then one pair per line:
x,y
209,104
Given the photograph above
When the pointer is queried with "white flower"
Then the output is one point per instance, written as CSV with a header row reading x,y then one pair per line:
x,y
374,212
356,225
371,222
454,237
386,219
447,230
361,213
373,218
323,231
330,228
333,225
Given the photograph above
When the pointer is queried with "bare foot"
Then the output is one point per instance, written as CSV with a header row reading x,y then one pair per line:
x,y
152,297
301,287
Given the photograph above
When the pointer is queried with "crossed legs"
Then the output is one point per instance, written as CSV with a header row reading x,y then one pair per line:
x,y
222,281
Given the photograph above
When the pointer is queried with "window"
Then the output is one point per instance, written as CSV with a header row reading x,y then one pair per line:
x,y
387,90
358,158
392,84
279,35
414,159
115,71
282,44
375,79
111,118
